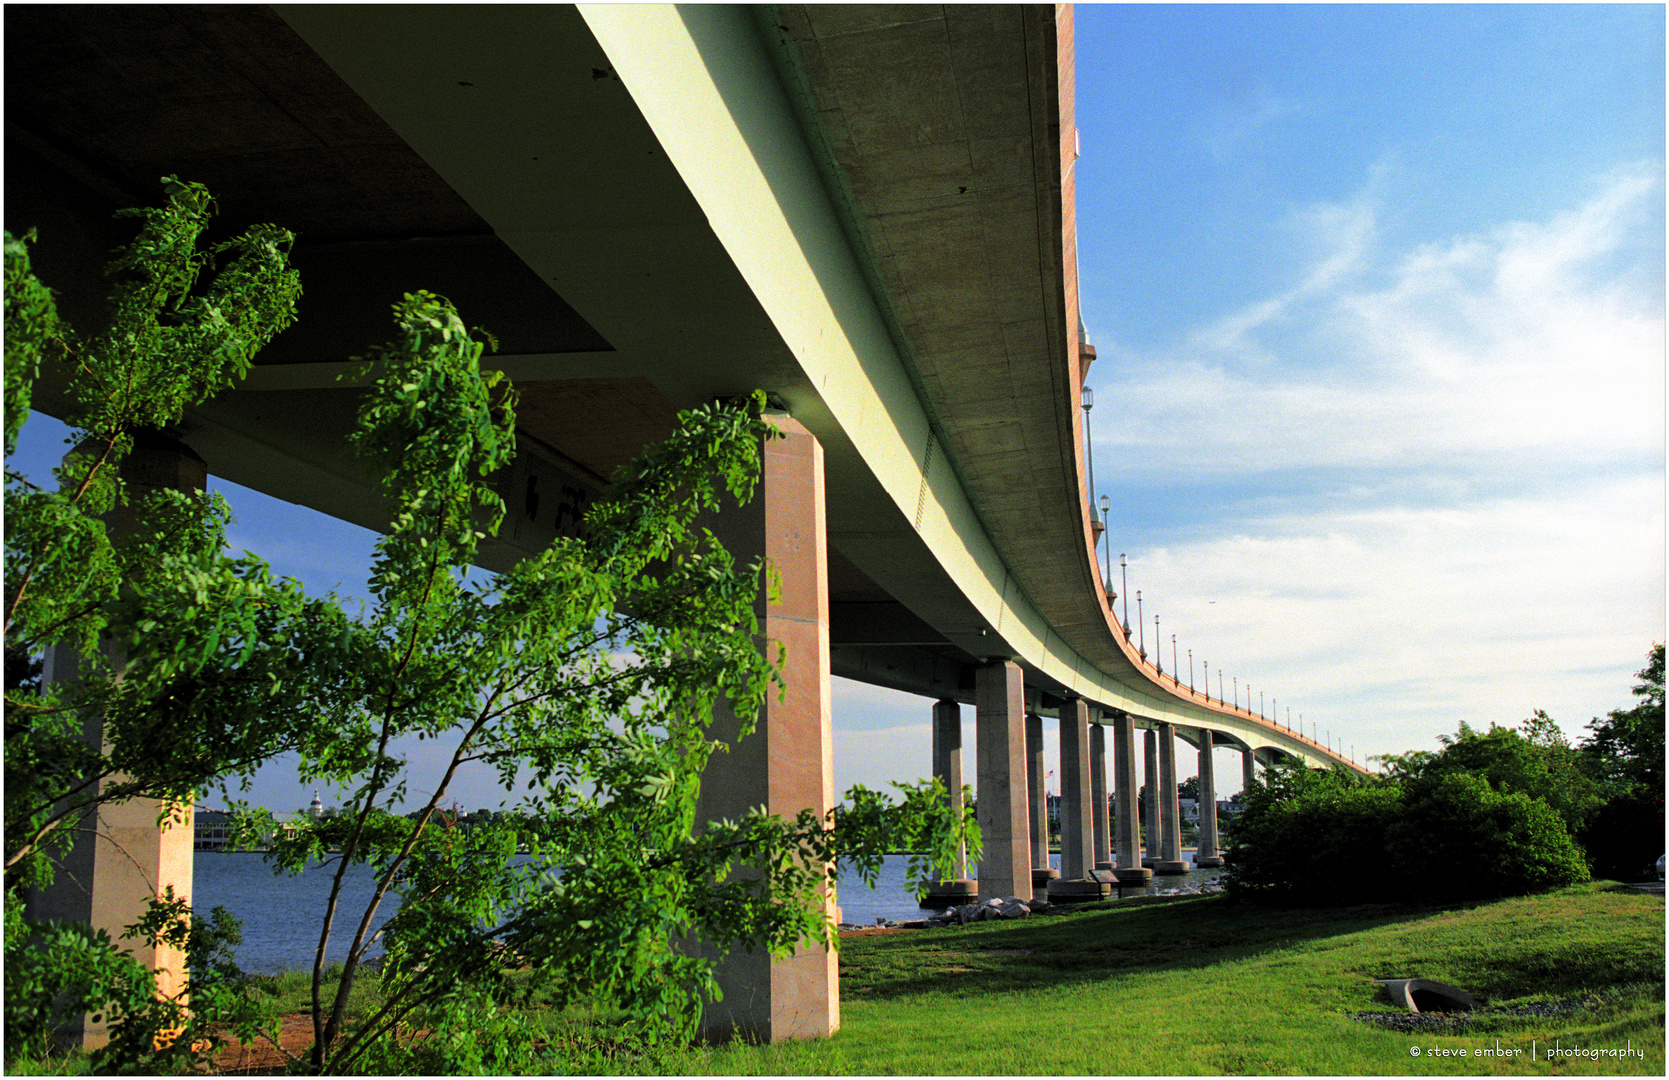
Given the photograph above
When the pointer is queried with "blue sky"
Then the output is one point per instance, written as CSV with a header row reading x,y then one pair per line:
x,y
1378,296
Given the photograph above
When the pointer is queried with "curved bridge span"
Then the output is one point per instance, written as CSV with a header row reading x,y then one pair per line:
x,y
867,211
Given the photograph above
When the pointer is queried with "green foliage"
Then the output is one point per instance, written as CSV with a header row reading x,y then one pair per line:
x,y
1462,837
1482,818
1626,750
586,678
1540,766
1315,836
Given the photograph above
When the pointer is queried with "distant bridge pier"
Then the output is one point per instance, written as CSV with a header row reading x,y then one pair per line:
x,y
1153,826
1130,870
1248,768
1077,804
1170,809
1207,853
1000,750
947,769
1037,795
1103,841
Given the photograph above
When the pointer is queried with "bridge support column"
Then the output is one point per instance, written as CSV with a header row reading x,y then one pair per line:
x,y
120,858
1037,800
947,769
1103,843
999,746
1077,829
1207,855
1170,810
1248,769
786,764
1130,869
1153,824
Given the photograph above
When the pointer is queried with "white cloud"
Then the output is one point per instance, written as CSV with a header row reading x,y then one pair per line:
x,y
1532,344
1489,411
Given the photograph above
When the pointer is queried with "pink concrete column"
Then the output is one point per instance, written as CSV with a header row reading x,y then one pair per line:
x,y
999,744
947,767
1037,799
1170,809
1098,796
1207,855
1153,823
120,858
786,765
1248,770
1077,829
1125,797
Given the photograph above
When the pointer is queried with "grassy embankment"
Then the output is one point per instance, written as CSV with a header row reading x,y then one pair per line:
x,y
1214,987
1197,986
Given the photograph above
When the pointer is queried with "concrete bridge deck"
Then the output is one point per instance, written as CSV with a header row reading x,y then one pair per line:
x,y
866,211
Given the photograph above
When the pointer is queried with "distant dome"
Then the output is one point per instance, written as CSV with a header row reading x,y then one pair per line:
x,y
316,808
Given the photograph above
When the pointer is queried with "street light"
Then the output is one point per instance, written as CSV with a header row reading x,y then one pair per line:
x,y
1158,648
1107,576
1190,671
1087,397
1124,583
1174,667
1141,632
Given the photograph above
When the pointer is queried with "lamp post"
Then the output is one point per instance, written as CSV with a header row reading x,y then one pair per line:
x,y
1237,692
1158,648
1174,667
1124,583
1190,671
1107,575
1141,631
1087,397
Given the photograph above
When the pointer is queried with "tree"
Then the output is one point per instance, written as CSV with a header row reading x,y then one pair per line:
x,y
586,677
1626,748
184,324
1624,755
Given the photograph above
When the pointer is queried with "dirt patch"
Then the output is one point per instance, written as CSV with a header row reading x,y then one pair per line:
x,y
261,1058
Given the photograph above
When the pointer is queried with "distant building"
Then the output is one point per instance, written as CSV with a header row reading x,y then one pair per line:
x,y
210,829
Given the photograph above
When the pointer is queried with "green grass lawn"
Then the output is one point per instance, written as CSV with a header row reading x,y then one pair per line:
x,y
1211,986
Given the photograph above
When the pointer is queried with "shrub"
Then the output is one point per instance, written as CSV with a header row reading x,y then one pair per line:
x,y
1463,839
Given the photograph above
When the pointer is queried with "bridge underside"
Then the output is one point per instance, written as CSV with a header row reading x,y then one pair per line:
x,y
865,211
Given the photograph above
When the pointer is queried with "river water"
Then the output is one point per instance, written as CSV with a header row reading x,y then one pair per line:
x,y
281,915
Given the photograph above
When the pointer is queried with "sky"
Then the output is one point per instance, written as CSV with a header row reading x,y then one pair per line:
x,y
1378,300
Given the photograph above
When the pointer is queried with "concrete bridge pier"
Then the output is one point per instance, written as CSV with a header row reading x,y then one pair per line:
x,y
1077,826
1103,843
1248,769
1153,825
999,747
786,765
1207,854
947,769
1037,795
121,859
1130,869
1170,810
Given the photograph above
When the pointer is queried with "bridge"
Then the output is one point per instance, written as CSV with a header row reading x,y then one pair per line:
x,y
866,211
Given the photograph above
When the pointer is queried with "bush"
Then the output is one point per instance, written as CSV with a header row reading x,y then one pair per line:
x,y
1317,836
1462,839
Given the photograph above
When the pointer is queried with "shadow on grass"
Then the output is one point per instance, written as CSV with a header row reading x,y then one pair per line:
x,y
1097,942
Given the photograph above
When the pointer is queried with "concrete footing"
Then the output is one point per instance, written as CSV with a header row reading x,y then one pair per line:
x,y
1043,875
1134,876
1207,861
1170,867
1104,865
951,893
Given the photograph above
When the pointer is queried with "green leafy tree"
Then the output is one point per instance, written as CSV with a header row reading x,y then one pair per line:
x,y
1625,756
1626,749
585,678
160,620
